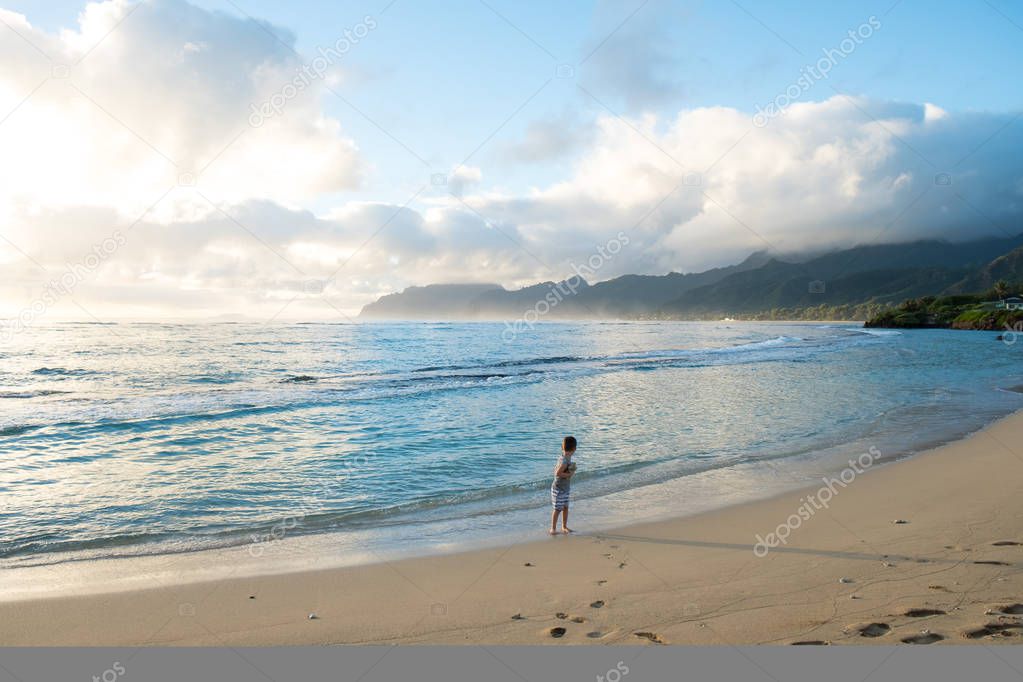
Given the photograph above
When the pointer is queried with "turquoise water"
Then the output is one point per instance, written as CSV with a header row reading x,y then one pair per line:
x,y
148,438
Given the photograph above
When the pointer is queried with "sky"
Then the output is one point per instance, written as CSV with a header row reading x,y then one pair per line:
x,y
287,161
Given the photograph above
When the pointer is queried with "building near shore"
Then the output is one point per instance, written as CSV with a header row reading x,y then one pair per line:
x,y
1010,303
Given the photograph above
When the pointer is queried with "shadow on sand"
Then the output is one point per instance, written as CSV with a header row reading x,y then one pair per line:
x,y
834,554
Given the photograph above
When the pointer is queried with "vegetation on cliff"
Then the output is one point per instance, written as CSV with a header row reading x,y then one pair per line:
x,y
961,311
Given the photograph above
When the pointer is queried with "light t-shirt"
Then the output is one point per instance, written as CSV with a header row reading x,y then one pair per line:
x,y
559,482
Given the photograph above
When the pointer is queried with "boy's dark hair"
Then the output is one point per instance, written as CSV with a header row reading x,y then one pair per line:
x,y
568,443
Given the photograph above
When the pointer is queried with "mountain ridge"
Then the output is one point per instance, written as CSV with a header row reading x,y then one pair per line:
x,y
860,278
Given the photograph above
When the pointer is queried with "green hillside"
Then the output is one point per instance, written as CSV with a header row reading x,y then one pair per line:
x,y
962,311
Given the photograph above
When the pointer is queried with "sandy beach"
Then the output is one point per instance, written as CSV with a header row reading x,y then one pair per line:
x,y
925,550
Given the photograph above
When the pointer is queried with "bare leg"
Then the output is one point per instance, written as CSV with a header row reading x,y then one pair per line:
x,y
564,520
554,522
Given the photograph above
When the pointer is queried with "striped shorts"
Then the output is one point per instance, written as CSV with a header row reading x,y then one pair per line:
x,y
559,498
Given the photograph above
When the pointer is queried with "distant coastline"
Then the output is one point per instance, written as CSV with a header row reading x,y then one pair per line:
x,y
979,312
863,283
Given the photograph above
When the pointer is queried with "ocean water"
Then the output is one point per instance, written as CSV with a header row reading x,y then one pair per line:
x,y
132,439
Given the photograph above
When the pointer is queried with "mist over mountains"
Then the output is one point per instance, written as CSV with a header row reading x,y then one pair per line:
x,y
846,283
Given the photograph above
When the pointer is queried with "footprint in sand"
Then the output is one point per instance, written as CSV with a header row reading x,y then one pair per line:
x,y
577,619
1011,609
622,565
597,604
601,582
1004,629
1006,543
652,636
811,642
557,632
992,563
923,638
561,616
595,634
518,616
922,613
874,629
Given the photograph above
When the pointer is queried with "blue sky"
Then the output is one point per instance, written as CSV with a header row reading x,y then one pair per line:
x,y
556,126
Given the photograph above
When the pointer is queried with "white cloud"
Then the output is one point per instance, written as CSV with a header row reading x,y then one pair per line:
x,y
255,259
697,190
115,112
550,139
462,178
708,187
932,112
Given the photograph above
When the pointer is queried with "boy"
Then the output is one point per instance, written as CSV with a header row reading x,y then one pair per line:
x,y
562,482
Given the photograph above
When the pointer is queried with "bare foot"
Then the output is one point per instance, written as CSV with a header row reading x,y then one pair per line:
x,y
552,532
566,529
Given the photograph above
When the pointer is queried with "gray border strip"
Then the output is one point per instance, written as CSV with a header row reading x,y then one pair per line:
x,y
516,664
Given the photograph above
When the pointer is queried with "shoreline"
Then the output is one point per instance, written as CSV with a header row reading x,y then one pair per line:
x,y
717,488
901,422
689,580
